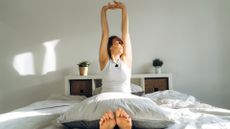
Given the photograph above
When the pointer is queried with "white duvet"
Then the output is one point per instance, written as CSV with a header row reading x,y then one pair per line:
x,y
185,110
189,113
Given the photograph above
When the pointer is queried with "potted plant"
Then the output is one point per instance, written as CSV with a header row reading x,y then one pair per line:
x,y
83,68
157,64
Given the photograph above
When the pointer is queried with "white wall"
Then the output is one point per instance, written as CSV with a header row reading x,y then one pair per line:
x,y
191,36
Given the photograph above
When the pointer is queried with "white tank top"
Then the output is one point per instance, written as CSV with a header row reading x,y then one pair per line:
x,y
116,78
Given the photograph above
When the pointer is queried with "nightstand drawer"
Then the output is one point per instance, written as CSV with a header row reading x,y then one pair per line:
x,y
156,84
81,87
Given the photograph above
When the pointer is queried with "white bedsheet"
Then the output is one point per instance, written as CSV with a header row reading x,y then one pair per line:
x,y
39,115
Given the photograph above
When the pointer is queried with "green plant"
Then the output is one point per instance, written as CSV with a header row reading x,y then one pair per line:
x,y
157,62
84,64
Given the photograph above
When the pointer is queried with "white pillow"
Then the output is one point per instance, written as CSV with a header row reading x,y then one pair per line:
x,y
144,112
97,90
135,89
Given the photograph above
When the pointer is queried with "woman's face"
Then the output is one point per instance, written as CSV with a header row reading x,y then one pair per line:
x,y
117,47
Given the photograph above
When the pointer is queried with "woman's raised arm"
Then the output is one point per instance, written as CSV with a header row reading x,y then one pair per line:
x,y
103,55
127,56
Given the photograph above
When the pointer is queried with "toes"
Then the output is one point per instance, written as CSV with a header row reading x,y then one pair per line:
x,y
118,112
101,121
123,120
110,115
104,118
125,114
107,121
121,113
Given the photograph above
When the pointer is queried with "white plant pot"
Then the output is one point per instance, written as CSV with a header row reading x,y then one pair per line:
x,y
158,70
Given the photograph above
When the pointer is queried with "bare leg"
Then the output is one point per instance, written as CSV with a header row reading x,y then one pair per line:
x,y
107,121
123,120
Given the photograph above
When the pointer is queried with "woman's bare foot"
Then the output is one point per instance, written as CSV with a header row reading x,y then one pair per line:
x,y
107,121
123,120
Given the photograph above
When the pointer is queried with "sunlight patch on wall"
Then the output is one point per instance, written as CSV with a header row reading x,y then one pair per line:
x,y
49,63
24,64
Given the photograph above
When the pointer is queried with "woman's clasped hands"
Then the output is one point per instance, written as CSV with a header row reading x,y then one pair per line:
x,y
114,5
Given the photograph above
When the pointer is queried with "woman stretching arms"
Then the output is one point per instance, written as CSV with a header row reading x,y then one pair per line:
x,y
115,63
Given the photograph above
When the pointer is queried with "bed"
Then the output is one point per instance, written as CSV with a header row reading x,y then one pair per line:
x,y
185,111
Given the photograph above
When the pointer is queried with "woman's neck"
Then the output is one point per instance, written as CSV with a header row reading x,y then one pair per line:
x,y
115,59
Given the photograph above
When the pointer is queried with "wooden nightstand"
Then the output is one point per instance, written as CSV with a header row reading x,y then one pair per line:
x,y
154,82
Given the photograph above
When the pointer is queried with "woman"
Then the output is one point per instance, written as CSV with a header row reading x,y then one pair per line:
x,y
115,63
115,53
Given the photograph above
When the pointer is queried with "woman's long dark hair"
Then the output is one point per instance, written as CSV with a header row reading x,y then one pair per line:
x,y
110,43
